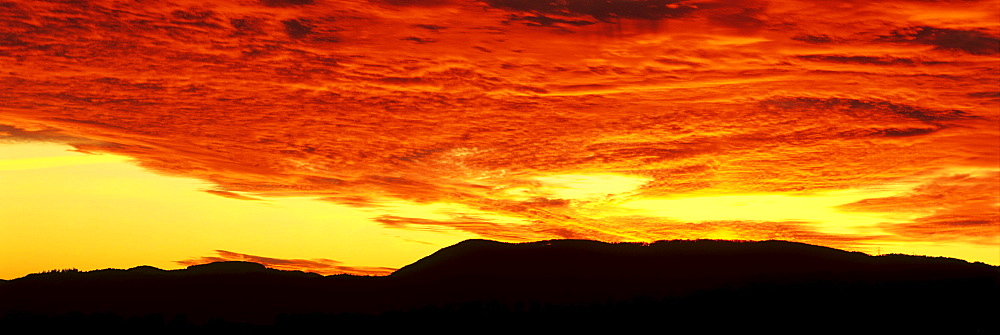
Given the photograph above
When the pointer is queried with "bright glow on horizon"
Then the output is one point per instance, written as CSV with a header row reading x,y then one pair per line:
x,y
113,214
820,210
25,156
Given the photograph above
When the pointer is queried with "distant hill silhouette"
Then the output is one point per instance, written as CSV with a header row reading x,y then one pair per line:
x,y
559,285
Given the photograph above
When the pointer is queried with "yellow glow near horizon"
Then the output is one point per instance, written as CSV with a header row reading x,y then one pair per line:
x,y
25,156
45,162
66,209
89,215
965,251
819,209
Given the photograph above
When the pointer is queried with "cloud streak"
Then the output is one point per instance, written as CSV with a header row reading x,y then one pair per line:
x,y
320,265
955,207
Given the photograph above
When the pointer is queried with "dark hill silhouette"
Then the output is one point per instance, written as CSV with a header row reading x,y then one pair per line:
x,y
227,268
704,286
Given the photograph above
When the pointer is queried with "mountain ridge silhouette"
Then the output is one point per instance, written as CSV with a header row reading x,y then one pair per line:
x,y
556,280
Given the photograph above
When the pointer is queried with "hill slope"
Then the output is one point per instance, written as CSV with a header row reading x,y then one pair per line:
x,y
692,284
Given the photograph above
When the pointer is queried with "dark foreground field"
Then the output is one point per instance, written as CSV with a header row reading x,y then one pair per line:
x,y
480,286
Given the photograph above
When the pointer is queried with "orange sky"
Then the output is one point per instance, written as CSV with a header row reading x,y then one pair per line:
x,y
359,136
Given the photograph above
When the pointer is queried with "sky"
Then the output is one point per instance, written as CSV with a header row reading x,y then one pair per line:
x,y
359,136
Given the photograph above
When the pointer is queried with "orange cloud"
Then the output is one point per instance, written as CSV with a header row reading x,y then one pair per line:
x,y
320,266
970,41
961,206
230,195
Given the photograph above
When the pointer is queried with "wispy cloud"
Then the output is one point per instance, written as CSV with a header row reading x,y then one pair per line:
x,y
320,265
961,207
970,41
230,195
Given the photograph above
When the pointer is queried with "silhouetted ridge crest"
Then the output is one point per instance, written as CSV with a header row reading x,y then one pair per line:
x,y
147,269
230,267
694,283
585,257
